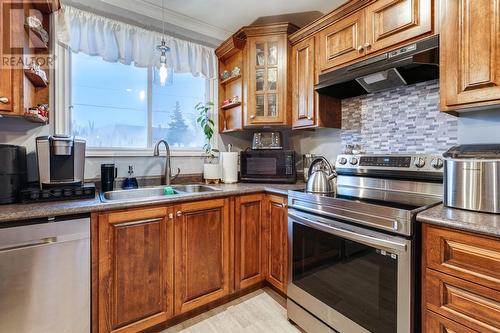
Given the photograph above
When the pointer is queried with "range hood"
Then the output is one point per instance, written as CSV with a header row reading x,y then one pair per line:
x,y
410,64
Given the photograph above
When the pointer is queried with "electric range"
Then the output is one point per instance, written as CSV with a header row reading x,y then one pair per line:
x,y
354,254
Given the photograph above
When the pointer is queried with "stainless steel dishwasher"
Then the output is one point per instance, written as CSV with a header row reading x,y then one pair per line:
x,y
45,275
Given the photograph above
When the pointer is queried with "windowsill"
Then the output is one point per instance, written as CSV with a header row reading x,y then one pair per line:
x,y
106,152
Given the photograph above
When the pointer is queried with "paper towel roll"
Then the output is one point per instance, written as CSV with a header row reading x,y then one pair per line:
x,y
229,167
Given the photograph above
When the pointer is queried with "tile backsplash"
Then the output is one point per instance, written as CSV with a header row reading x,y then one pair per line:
x,y
401,120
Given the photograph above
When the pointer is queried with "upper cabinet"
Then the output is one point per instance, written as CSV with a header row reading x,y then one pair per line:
x,y
267,57
309,109
380,25
253,81
24,85
342,41
267,89
390,22
470,54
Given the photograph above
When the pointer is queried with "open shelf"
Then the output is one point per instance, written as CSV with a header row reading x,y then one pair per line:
x,y
230,105
36,79
230,79
35,118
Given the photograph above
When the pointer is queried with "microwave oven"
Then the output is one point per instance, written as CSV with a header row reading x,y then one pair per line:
x,y
268,166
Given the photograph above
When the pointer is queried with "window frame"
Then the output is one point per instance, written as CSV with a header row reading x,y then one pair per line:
x,y
63,107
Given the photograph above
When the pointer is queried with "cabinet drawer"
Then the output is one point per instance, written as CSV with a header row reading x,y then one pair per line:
x,y
467,256
434,323
473,305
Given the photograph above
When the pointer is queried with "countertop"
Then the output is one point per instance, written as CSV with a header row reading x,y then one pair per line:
x,y
57,208
476,222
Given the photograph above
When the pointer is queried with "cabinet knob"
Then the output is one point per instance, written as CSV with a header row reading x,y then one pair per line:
x,y
4,100
366,45
179,213
170,215
283,205
252,116
309,118
360,48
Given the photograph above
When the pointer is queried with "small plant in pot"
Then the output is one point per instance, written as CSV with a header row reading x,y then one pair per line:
x,y
211,167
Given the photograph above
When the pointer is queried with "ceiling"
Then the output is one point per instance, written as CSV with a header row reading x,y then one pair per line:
x,y
218,19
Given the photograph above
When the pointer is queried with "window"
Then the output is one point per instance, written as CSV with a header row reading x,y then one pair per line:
x,y
125,107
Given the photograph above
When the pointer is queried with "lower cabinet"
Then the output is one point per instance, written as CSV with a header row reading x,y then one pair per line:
x,y
277,272
135,269
250,241
151,264
202,236
460,282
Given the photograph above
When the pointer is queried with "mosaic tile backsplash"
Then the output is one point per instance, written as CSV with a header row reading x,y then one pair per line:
x,y
401,120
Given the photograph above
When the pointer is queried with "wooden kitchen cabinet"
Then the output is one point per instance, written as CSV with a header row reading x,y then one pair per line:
x,y
381,25
231,56
342,41
20,89
135,269
461,280
392,22
250,249
309,109
469,54
277,273
202,245
267,67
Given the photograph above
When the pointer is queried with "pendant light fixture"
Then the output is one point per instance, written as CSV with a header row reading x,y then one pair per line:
x,y
163,48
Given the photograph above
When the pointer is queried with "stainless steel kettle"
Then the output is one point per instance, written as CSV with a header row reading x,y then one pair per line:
x,y
321,181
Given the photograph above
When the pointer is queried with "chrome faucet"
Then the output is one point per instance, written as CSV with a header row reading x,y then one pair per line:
x,y
168,174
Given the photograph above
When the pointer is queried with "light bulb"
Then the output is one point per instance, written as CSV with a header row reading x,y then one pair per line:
x,y
163,74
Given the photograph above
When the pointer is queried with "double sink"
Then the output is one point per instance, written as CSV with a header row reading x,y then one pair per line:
x,y
154,193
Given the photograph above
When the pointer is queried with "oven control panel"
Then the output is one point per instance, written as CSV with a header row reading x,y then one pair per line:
x,y
403,165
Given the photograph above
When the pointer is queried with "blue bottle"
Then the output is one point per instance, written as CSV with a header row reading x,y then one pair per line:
x,y
130,182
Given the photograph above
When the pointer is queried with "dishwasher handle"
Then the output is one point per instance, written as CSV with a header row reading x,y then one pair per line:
x,y
35,243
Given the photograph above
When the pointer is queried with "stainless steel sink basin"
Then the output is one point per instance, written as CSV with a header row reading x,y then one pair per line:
x,y
136,194
194,188
154,193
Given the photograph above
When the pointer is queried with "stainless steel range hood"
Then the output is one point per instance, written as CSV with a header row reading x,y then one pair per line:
x,y
413,63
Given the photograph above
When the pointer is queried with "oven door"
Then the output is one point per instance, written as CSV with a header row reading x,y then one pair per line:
x,y
352,278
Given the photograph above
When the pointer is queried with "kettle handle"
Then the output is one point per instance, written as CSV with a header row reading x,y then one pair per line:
x,y
317,160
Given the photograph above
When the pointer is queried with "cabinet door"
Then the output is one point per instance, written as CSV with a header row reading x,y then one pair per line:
x,y
278,242
469,53
135,269
303,83
267,88
250,248
342,41
391,22
201,253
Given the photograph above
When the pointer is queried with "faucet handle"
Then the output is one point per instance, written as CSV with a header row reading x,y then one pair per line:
x,y
176,175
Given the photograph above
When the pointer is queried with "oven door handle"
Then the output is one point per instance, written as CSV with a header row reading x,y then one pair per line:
x,y
382,244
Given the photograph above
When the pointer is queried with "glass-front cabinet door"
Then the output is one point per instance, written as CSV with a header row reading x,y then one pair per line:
x,y
267,80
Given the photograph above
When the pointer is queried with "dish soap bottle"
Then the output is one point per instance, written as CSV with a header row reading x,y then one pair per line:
x,y
130,182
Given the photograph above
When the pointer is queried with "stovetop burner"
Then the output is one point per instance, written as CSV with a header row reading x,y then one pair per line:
x,y
378,191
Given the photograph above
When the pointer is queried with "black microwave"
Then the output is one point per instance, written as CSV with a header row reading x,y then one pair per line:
x,y
268,166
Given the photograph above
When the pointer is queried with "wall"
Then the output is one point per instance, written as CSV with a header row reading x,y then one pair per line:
x,y
401,120
20,132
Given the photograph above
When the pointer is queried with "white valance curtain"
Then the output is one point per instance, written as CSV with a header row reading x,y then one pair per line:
x,y
117,41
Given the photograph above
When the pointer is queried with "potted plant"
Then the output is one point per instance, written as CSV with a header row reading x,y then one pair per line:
x,y
211,168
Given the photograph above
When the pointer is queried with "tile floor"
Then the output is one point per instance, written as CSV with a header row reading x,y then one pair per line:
x,y
259,312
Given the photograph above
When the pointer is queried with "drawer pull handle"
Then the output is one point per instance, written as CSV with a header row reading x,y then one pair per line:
x,y
4,100
179,213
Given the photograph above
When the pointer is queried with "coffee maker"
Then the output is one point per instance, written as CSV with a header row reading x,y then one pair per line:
x,y
61,160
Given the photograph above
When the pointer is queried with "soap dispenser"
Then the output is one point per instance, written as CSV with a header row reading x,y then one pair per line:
x,y
130,182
